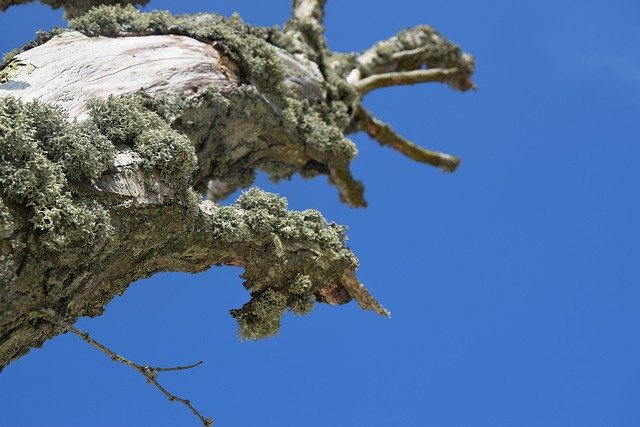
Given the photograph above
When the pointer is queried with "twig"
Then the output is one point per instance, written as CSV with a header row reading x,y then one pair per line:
x,y
403,78
385,135
149,372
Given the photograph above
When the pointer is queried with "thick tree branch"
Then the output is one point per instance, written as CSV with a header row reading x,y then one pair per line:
x,y
104,189
386,136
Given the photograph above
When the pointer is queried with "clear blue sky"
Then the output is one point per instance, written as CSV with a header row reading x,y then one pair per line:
x,y
513,283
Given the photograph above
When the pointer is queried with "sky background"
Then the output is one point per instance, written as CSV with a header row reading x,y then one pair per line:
x,y
514,283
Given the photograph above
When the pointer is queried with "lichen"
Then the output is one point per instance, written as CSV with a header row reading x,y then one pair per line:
x,y
109,21
243,43
7,229
43,153
296,253
125,120
324,141
262,115
32,173
122,119
78,147
261,318
302,298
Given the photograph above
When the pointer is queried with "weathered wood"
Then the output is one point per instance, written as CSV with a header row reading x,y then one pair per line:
x,y
72,68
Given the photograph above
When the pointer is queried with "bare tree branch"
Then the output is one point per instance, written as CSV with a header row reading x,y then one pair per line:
x,y
385,135
378,81
149,372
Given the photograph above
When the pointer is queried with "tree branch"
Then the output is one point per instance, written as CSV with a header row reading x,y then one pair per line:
x,y
378,81
149,372
414,49
385,135
351,190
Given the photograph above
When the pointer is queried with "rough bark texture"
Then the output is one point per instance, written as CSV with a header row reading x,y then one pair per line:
x,y
112,130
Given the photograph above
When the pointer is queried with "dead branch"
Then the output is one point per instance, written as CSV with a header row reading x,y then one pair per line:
x,y
149,372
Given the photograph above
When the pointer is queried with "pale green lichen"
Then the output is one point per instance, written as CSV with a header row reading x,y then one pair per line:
x,y
125,120
243,43
7,223
8,248
78,147
32,174
294,135
108,21
324,141
302,298
42,154
296,254
261,318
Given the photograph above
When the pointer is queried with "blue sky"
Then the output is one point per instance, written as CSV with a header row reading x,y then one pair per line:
x,y
513,283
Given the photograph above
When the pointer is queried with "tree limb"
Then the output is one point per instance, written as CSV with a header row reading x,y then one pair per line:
x,y
413,49
378,81
385,135
95,195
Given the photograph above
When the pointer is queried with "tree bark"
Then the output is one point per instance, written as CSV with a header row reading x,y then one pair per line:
x,y
111,132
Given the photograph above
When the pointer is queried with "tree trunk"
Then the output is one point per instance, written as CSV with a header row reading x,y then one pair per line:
x,y
111,132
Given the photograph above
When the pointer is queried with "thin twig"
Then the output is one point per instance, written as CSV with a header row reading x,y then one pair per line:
x,y
378,81
149,372
385,135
